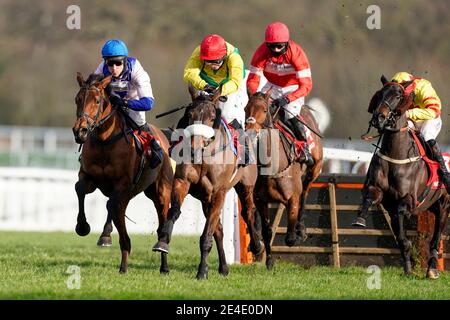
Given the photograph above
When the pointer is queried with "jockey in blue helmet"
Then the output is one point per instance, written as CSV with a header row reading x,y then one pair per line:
x,y
130,86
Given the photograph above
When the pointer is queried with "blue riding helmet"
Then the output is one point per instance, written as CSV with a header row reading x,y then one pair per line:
x,y
113,48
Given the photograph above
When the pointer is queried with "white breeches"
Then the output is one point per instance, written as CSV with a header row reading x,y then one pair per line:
x,y
428,128
137,116
233,108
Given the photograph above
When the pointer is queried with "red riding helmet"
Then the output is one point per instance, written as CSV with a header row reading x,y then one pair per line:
x,y
277,32
213,47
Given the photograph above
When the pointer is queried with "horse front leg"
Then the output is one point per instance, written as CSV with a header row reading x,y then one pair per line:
x,y
82,187
292,211
404,244
180,190
263,210
117,205
371,195
245,194
105,238
212,220
310,176
160,195
218,237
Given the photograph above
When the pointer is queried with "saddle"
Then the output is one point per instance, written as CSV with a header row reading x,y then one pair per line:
x,y
292,146
433,182
141,137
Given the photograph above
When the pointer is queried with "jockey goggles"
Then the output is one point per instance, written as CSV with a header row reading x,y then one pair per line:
x,y
276,45
114,62
217,61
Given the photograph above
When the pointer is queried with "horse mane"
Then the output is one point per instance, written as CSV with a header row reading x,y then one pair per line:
x,y
95,78
259,94
406,104
200,99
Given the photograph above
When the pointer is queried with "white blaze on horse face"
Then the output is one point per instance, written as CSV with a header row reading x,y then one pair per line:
x,y
199,130
250,120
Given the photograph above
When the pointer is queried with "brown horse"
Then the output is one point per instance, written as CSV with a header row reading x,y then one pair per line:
x,y
287,182
207,170
397,176
110,162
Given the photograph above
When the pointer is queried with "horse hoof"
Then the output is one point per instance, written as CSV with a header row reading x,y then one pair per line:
x,y
258,249
269,264
224,271
122,270
202,276
290,239
359,222
164,271
432,274
82,229
104,242
161,247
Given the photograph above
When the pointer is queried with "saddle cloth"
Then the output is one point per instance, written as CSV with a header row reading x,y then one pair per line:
x,y
297,144
142,141
233,135
433,166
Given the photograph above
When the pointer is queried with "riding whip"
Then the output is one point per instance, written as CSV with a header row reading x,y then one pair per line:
x,y
170,111
312,130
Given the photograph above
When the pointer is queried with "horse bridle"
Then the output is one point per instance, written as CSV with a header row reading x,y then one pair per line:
x,y
93,122
268,121
390,120
216,122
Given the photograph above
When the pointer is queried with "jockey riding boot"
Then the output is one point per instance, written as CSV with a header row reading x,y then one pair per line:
x,y
437,155
156,156
300,133
242,139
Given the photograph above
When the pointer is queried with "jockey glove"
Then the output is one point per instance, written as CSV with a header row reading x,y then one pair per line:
x,y
280,102
118,102
209,89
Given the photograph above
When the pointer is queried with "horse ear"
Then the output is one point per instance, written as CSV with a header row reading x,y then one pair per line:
x,y
193,92
80,79
217,94
383,79
407,83
105,82
268,94
249,94
218,118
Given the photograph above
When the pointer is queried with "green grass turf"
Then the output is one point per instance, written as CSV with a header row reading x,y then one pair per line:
x,y
34,266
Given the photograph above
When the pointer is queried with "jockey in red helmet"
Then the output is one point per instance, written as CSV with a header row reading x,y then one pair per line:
x,y
286,68
215,63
